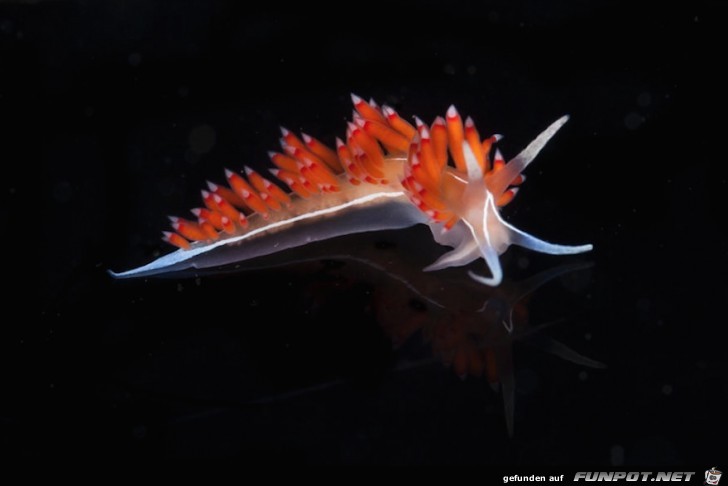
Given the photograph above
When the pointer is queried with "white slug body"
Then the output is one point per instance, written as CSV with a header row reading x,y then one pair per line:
x,y
386,175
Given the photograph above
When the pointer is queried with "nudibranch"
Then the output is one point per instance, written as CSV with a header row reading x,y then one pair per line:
x,y
386,174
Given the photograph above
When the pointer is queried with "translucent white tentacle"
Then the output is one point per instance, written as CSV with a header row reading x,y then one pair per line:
x,y
487,244
465,253
449,237
521,238
498,182
459,237
491,259
525,240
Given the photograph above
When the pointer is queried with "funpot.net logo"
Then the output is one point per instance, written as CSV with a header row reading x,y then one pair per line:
x,y
634,476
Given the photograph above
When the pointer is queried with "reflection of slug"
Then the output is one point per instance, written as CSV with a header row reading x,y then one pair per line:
x,y
467,327
386,175
473,331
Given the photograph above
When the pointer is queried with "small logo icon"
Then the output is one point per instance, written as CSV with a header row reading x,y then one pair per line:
x,y
712,476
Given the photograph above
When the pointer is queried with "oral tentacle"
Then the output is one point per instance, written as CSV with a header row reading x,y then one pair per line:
x,y
465,249
487,244
465,253
491,259
515,236
525,240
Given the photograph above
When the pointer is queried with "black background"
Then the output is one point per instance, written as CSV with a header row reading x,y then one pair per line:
x,y
115,113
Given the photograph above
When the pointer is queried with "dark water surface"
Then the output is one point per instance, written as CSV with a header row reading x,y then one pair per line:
x,y
345,352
